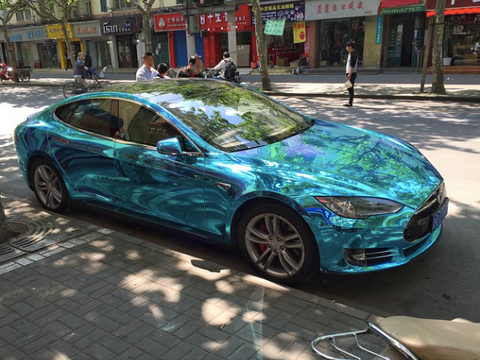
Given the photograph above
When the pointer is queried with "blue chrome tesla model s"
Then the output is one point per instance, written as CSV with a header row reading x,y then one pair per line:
x,y
294,194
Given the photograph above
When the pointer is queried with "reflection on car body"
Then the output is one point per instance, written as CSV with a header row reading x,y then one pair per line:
x,y
293,194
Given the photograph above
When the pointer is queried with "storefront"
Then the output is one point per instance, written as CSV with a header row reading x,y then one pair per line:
x,y
333,23
90,34
214,30
31,47
461,31
119,39
282,49
57,39
404,23
169,41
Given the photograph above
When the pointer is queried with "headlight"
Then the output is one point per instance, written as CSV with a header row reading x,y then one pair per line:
x,y
359,207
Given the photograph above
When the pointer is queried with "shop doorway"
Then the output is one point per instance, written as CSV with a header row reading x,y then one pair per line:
x,y
404,40
160,48
127,52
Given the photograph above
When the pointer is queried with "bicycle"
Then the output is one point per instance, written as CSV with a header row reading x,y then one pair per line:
x,y
77,86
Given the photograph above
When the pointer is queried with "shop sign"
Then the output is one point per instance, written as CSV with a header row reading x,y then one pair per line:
x,y
214,21
288,11
120,25
56,32
274,27
299,33
169,22
449,4
378,33
336,9
87,29
29,34
402,10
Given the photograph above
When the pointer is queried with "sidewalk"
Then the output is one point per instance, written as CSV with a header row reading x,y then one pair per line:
x,y
322,88
71,290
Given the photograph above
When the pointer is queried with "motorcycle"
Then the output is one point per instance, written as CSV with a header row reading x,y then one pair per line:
x,y
211,73
407,338
6,73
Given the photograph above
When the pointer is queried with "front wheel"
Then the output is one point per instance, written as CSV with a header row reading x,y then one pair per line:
x,y
104,84
71,89
238,79
278,244
49,187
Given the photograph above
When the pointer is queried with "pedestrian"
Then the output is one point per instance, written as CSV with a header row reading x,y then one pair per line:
x,y
80,69
351,70
193,69
162,71
88,64
68,60
227,68
147,71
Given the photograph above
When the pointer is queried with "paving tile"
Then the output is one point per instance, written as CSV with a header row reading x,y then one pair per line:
x,y
131,354
230,346
72,321
96,351
201,341
139,334
10,352
114,344
152,347
179,352
37,343
9,334
188,328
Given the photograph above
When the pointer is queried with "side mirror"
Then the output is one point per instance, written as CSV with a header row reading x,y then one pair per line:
x,y
170,147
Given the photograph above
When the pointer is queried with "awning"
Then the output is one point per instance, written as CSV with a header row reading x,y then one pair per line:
x,y
472,10
385,4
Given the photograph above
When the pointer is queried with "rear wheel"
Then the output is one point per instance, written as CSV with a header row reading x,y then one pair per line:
x,y
71,89
238,79
278,244
171,73
49,187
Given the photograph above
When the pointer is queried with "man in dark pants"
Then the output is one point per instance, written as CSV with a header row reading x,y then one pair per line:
x,y
351,70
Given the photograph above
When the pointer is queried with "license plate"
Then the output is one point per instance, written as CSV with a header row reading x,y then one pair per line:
x,y
438,217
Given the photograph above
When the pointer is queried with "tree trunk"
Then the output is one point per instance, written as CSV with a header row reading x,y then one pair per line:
x,y
266,84
5,232
10,55
438,85
70,50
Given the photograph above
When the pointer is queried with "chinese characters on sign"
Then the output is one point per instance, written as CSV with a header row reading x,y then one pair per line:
x,y
274,27
378,34
169,22
289,11
299,33
334,7
56,32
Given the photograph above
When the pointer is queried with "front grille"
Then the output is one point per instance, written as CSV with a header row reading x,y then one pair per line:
x,y
419,224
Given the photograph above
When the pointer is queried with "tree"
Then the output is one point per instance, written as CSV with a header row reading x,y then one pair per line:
x,y
8,9
5,232
259,28
438,84
59,11
145,7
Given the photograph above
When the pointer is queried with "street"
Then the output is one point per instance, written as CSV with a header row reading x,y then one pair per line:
x,y
443,284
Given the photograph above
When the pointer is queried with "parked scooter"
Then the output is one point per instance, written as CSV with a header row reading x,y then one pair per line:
x,y
7,73
407,338
211,73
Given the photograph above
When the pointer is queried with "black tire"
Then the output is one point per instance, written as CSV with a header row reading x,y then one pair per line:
x,y
278,244
24,76
71,89
103,84
49,187
171,73
238,79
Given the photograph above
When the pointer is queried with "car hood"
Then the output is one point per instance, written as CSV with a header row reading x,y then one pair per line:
x,y
337,160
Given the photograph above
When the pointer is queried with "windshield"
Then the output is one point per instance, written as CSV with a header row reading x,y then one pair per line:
x,y
230,118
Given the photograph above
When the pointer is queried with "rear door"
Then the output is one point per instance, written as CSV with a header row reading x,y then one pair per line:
x,y
83,147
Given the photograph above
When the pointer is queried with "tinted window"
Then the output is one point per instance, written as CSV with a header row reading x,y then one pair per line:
x,y
91,115
142,125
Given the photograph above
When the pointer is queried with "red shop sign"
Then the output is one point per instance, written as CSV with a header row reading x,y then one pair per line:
x,y
217,21
449,4
169,22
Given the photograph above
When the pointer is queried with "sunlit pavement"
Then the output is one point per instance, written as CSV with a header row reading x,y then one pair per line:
x,y
92,293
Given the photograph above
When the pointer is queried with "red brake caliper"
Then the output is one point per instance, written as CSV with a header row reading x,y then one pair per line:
x,y
262,228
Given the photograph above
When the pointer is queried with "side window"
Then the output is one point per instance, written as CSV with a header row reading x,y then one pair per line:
x,y
142,125
65,112
95,116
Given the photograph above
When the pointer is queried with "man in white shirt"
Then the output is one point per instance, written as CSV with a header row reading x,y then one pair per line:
x,y
222,66
147,72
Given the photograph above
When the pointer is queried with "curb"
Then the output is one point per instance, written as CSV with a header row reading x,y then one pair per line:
x,y
426,97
